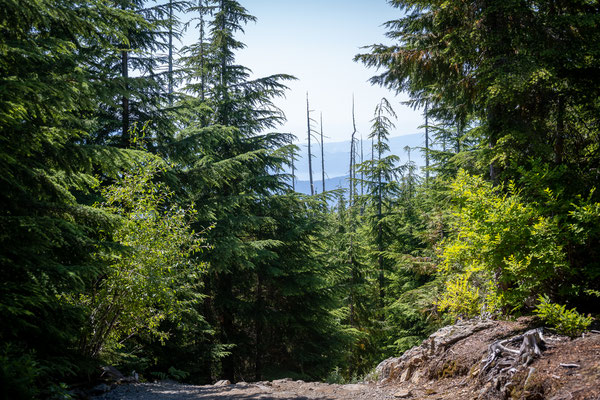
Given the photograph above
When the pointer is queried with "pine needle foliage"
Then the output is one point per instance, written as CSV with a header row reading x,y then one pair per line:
x,y
48,233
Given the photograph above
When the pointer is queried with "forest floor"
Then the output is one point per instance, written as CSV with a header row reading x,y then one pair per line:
x,y
449,365
279,389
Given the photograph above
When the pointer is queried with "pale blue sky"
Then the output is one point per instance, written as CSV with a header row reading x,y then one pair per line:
x,y
316,40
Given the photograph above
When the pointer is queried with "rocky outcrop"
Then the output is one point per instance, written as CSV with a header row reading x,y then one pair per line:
x,y
413,366
496,360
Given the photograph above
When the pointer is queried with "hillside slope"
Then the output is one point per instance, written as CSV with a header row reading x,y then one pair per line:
x,y
481,360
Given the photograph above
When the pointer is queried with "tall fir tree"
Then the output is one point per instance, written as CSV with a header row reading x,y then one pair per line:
x,y
50,238
260,265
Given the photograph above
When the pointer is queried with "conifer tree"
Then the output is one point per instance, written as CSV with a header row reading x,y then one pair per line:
x,y
50,237
135,75
381,174
260,265
506,81
426,142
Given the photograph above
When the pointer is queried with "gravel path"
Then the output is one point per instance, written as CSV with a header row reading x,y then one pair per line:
x,y
280,389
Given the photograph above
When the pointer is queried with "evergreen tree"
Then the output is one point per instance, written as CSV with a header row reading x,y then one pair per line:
x,y
511,85
135,75
49,237
261,267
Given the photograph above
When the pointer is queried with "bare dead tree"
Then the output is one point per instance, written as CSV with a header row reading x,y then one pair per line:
x,y
322,156
351,214
427,142
310,172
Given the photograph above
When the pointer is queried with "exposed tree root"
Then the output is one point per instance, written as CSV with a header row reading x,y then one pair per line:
x,y
504,360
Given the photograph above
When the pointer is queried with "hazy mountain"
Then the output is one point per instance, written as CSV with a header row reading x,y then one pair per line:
x,y
337,155
331,183
337,160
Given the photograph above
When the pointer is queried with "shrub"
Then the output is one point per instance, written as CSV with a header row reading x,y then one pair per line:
x,y
566,322
460,299
19,372
501,251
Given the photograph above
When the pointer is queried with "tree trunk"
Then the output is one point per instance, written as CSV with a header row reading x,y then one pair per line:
x,y
494,133
310,172
458,136
258,324
559,142
125,139
227,329
322,156
427,142
379,218
351,217
293,170
170,74
202,71
362,174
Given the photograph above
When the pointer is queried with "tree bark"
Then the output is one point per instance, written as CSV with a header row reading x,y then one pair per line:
x,y
125,139
170,73
379,218
322,156
426,142
559,141
258,323
310,172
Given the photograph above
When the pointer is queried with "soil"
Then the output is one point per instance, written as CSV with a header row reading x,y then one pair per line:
x,y
282,389
567,369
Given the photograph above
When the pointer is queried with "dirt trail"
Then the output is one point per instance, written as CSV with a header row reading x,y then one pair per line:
x,y
452,364
280,389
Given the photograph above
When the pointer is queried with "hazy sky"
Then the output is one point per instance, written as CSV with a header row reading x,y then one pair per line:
x,y
316,40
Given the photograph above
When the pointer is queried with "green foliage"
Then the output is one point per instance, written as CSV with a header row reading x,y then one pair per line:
x,y
565,321
500,238
586,219
172,373
335,377
291,287
48,232
143,284
19,372
460,298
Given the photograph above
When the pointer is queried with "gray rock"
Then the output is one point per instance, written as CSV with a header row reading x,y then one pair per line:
x,y
405,368
278,381
403,394
111,373
223,382
353,387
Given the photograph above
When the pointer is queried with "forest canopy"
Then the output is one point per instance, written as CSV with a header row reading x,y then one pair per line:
x,y
149,219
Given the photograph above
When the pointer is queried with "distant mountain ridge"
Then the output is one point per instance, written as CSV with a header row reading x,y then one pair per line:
x,y
337,155
337,160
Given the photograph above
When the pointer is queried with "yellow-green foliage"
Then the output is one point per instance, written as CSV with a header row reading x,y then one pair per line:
x,y
460,298
502,250
566,321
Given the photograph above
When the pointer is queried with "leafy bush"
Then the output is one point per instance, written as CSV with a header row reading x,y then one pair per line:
x,y
335,377
147,277
566,322
502,252
173,373
460,299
